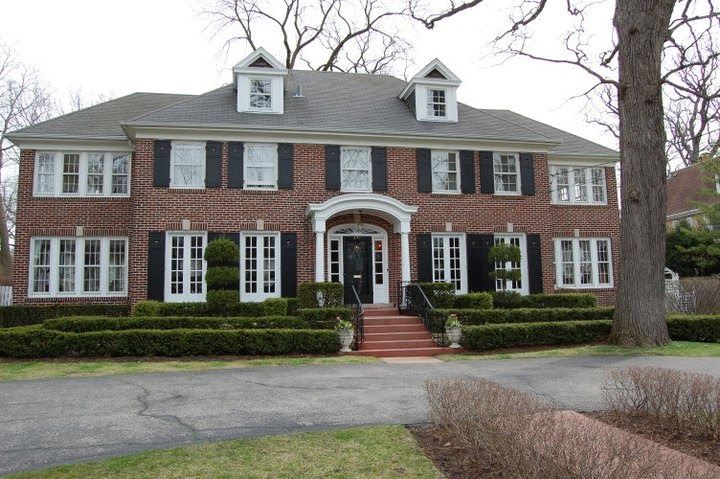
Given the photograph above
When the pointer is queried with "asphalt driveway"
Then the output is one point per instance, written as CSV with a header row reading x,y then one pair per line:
x,y
47,422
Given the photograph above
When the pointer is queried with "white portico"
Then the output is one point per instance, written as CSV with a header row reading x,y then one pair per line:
x,y
394,211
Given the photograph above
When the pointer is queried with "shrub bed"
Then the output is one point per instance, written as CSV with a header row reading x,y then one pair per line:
x,y
492,336
332,294
36,342
700,328
269,307
522,315
324,318
81,324
23,315
440,295
473,301
511,300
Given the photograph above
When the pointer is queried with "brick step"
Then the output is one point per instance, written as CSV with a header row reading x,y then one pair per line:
x,y
381,312
395,336
394,328
409,352
392,321
398,344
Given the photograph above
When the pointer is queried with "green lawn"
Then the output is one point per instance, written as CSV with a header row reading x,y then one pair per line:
x,y
22,370
358,453
676,348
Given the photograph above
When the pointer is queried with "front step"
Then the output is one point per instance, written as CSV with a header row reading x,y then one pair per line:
x,y
386,320
399,344
392,328
396,336
405,352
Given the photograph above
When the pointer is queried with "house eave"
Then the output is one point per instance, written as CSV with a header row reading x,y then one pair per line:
x,y
58,141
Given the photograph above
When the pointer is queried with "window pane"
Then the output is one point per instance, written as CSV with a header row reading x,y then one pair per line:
x,y
598,185
261,94
436,105
46,173
603,262
251,264
562,184
95,173
196,264
438,259
260,166
454,262
444,171
41,266
66,266
580,185
177,253
567,264
506,176
355,169
117,268
71,173
269,264
188,161
120,174
91,267
586,273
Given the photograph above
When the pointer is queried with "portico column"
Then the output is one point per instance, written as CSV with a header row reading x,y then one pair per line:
x,y
405,252
319,251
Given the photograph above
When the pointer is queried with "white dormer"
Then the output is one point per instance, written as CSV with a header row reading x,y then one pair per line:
x,y
259,80
432,93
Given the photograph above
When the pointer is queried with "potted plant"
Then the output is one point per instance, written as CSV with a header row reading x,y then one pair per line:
x,y
452,329
345,333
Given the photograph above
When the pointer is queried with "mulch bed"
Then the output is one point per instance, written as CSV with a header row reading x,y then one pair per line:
x,y
454,460
699,447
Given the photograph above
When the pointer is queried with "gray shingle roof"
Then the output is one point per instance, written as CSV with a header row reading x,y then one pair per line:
x,y
103,120
331,102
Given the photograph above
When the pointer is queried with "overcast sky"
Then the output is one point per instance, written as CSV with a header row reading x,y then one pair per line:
x,y
116,48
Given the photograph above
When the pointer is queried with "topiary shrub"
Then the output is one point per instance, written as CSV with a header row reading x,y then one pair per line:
x,y
504,253
320,295
473,301
440,295
222,252
222,276
221,301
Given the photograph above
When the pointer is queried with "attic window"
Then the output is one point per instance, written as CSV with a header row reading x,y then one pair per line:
x,y
436,103
260,63
435,73
261,94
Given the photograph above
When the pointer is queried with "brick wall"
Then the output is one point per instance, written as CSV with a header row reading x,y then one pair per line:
x,y
230,210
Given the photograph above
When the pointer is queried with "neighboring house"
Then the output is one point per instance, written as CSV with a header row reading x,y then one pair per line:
x,y
686,189
363,179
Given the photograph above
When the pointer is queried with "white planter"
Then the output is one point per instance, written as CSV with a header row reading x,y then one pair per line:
x,y
346,337
454,335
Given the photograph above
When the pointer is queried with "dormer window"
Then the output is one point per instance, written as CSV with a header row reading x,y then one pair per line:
x,y
436,103
261,94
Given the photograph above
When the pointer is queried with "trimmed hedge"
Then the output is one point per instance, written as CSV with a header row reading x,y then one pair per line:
x,y
441,295
493,336
473,301
82,324
23,315
269,307
700,328
512,300
524,315
308,295
324,318
35,342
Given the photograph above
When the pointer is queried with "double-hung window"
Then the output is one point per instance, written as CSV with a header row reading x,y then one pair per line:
x,y
506,170
445,172
449,263
578,185
259,266
187,164
185,266
260,165
583,263
92,173
436,103
356,174
90,266
260,94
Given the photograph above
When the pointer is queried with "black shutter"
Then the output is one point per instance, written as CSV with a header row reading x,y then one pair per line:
x,y
161,174
487,178
213,164
527,174
424,170
332,167
379,168
156,266
424,258
285,166
467,171
235,164
479,266
288,265
534,260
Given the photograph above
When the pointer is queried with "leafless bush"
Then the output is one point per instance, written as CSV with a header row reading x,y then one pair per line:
x,y
523,437
706,291
688,402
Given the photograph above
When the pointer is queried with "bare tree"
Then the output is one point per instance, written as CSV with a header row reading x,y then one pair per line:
x,y
632,66
325,35
77,99
24,101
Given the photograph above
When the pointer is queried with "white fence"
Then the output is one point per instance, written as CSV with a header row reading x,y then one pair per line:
x,y
5,295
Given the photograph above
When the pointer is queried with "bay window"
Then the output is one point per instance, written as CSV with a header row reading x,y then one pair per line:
x,y
578,185
583,263
64,267
89,173
259,266
260,165
185,267
445,172
356,174
449,261
187,164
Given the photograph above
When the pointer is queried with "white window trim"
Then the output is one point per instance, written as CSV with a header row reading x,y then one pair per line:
x,y
82,177
429,103
463,259
274,146
587,171
184,297
518,192
272,93
194,144
79,267
345,189
576,264
260,296
524,290
458,189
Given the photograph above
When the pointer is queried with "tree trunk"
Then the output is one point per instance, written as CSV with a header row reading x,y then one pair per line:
x,y
642,29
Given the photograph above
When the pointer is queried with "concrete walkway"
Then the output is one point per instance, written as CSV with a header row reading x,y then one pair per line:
x,y
46,422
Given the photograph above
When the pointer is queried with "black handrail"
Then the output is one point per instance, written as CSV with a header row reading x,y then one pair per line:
x,y
415,301
358,317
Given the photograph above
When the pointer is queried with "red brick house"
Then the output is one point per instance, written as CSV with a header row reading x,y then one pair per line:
x,y
687,189
316,176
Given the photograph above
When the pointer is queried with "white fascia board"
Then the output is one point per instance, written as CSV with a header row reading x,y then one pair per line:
x,y
260,52
582,160
334,138
683,214
69,143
